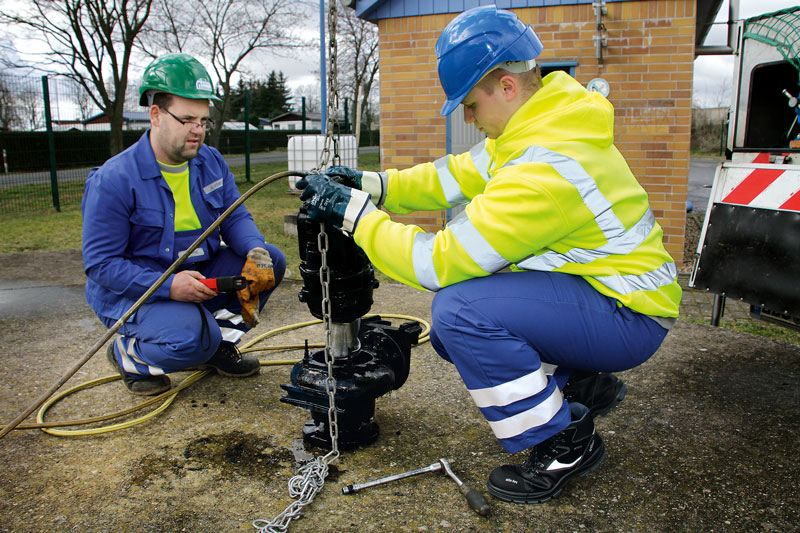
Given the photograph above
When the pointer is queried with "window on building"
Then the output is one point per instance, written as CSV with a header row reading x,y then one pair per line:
x,y
551,66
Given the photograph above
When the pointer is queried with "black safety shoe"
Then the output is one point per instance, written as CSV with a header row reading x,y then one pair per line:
x,y
576,451
227,361
598,391
143,386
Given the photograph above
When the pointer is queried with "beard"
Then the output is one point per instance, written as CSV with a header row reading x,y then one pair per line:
x,y
186,150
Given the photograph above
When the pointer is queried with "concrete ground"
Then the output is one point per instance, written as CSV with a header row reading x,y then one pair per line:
x,y
704,441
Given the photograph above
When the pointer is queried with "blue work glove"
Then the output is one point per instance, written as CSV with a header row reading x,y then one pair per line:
x,y
375,183
346,176
333,203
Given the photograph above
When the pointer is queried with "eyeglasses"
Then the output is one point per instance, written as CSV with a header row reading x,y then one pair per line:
x,y
206,123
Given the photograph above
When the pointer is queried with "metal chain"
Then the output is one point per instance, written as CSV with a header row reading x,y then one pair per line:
x,y
330,381
311,478
333,92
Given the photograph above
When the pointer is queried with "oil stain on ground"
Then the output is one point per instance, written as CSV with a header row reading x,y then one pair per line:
x,y
227,454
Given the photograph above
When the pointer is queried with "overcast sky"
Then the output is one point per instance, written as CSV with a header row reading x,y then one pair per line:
x,y
713,75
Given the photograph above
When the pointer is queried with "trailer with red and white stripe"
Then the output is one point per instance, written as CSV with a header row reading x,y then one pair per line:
x,y
749,247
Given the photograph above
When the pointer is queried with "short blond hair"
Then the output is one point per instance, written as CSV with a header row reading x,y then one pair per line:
x,y
529,82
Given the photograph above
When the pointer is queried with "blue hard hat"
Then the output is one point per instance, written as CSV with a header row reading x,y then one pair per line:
x,y
474,43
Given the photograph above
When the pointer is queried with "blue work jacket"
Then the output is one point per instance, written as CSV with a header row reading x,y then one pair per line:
x,y
129,235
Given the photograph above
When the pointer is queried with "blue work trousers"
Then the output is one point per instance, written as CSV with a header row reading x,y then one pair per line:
x,y
169,336
499,330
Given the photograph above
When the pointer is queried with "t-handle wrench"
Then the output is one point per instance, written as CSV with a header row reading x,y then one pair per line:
x,y
475,499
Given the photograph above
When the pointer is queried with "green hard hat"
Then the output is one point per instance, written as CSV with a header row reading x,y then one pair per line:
x,y
178,74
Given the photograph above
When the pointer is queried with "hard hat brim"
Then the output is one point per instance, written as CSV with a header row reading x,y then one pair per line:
x,y
450,106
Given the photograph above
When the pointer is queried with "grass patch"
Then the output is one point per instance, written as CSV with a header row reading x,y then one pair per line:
x,y
755,327
21,198
41,229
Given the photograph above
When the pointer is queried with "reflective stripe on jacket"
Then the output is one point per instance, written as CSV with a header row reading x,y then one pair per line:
x,y
129,235
551,193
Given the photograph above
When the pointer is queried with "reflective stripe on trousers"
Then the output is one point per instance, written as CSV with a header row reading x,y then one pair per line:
x,y
500,330
169,336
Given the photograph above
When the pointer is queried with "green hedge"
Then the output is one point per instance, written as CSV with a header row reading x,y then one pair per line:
x,y
28,151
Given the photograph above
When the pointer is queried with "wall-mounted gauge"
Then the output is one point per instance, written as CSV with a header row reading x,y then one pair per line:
x,y
600,85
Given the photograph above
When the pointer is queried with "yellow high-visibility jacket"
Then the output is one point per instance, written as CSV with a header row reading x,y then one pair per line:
x,y
551,193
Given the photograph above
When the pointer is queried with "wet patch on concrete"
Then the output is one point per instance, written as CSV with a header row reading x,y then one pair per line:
x,y
243,453
227,455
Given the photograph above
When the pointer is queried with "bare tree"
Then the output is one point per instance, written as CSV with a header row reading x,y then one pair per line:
x,y
88,41
9,117
84,102
225,32
358,57
311,94
31,108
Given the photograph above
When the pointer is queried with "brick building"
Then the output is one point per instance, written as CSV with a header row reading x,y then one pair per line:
x,y
647,62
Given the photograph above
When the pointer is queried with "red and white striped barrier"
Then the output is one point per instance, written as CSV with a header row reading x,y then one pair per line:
x,y
758,184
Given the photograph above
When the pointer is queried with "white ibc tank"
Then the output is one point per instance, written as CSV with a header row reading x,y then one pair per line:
x,y
304,152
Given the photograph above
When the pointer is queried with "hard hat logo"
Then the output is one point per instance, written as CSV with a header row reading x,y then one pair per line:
x,y
178,74
476,42
203,85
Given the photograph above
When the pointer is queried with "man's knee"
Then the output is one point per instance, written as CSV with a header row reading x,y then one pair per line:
x,y
191,344
446,304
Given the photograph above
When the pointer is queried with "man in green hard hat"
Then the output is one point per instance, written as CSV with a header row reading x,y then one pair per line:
x,y
142,210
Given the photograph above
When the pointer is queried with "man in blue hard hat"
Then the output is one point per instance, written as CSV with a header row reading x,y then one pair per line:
x,y
555,274
142,210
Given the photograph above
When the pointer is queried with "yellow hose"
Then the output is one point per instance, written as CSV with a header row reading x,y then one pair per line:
x,y
169,396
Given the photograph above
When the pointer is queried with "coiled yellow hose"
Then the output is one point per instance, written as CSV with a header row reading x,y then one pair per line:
x,y
169,396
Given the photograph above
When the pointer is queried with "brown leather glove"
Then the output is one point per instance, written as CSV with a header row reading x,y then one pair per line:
x,y
258,272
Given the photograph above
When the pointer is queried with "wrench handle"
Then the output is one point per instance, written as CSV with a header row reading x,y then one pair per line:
x,y
476,500
355,487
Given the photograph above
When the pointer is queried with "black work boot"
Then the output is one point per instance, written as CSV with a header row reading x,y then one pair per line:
x,y
576,451
141,386
227,361
598,391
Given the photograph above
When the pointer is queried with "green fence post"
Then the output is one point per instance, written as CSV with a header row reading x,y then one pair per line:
x,y
51,143
303,114
247,134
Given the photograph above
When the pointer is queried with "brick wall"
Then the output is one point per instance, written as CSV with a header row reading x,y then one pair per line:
x,y
648,64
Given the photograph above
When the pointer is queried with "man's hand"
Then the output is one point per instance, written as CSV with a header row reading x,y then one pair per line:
x,y
346,176
333,203
260,276
186,288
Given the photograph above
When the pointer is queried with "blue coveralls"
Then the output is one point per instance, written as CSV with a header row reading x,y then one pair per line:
x,y
129,240
500,330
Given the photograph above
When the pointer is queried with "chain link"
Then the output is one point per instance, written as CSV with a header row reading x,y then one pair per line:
x,y
311,478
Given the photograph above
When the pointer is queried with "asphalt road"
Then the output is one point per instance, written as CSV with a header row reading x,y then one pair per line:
x,y
701,177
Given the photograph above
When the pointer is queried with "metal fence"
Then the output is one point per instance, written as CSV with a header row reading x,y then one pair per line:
x,y
51,134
